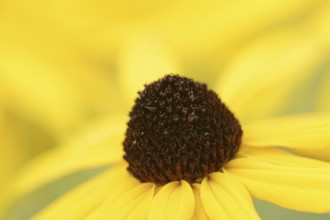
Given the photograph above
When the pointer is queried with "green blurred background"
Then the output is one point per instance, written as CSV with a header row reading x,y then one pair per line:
x,y
64,64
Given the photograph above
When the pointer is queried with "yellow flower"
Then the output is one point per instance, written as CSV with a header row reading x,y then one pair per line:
x,y
259,169
86,31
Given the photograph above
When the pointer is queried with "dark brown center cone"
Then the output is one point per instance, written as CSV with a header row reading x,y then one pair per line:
x,y
179,129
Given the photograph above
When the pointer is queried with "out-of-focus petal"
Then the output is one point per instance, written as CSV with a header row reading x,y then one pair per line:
x,y
50,83
81,201
143,59
323,154
10,147
214,43
91,148
258,80
36,90
302,188
297,131
322,22
324,95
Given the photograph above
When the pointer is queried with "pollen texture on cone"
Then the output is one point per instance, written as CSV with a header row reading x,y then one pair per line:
x,y
179,129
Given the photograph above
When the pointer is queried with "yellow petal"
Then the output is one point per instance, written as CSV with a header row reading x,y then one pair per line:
x,y
256,82
142,210
302,188
199,213
224,33
133,204
213,208
280,157
17,144
41,92
143,59
83,200
174,201
98,145
225,198
298,131
52,58
323,154
322,22
324,98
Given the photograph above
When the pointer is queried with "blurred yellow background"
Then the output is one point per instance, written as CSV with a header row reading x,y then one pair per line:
x,y
64,63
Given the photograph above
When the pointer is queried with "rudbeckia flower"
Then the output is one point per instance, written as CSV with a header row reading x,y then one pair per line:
x,y
187,156
58,113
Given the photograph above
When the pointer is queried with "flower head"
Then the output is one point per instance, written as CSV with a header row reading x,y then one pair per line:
x,y
179,130
58,60
189,175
